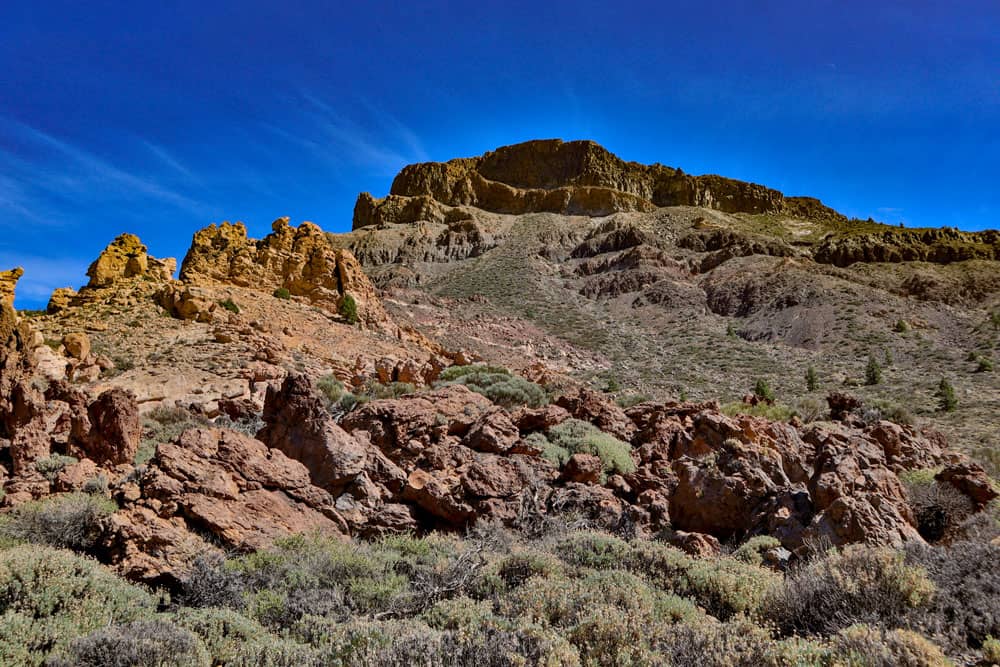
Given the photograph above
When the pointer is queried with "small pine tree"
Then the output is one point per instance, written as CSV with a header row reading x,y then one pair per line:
x,y
763,391
812,379
888,359
730,330
947,401
873,371
985,365
349,309
995,320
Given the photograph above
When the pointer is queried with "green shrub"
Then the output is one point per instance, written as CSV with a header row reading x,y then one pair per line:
x,y
777,412
72,521
810,409
51,466
348,309
752,551
724,587
50,597
737,643
330,388
901,326
580,437
985,365
163,425
230,305
599,551
550,452
282,293
947,401
991,650
152,643
222,631
856,585
763,391
496,384
865,645
812,379
873,371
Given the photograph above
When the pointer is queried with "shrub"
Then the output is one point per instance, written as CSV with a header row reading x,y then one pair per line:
x,y
230,305
599,551
496,384
810,409
165,424
812,379
282,293
738,643
985,365
222,631
945,394
724,587
50,467
348,309
873,371
752,551
965,609
902,326
763,391
49,597
330,388
938,508
875,647
580,437
72,521
857,585
991,650
152,643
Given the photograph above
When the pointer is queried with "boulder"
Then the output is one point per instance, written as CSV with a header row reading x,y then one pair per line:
x,y
599,410
60,300
77,345
298,424
125,258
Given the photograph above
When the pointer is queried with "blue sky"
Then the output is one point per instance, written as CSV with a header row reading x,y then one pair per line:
x,y
159,118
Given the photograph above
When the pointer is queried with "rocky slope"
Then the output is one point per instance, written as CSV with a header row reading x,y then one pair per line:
x,y
247,349
662,284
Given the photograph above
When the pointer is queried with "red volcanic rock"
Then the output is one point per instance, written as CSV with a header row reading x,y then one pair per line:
x,y
405,426
584,468
299,425
699,545
971,480
842,405
904,448
539,419
595,408
493,432
221,483
115,430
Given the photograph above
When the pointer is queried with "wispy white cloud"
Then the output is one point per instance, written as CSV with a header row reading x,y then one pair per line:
x,y
50,180
336,139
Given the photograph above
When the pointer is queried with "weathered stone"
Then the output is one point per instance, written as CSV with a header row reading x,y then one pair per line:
x,y
77,345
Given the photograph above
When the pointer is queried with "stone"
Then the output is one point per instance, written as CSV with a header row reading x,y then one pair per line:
x,y
115,428
698,545
298,424
8,283
77,345
60,300
583,468
597,409
126,258
971,480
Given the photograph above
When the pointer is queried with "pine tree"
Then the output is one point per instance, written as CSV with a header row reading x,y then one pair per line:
x,y
812,379
947,401
349,309
873,372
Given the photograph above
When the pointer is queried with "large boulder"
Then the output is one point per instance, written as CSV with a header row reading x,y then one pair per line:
x,y
224,484
299,425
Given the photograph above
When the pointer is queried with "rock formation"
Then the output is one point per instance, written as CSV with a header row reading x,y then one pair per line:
x,y
572,178
298,259
124,258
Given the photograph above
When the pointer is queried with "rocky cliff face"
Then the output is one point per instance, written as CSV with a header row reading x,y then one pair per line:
x,y
552,176
298,259
126,257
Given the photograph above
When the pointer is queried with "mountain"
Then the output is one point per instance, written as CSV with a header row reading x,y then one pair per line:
x,y
666,284
543,406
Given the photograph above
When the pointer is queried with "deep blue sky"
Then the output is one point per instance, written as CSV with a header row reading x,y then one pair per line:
x,y
160,119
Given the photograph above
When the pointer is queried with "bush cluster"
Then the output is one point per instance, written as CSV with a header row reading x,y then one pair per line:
x,y
575,436
495,383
